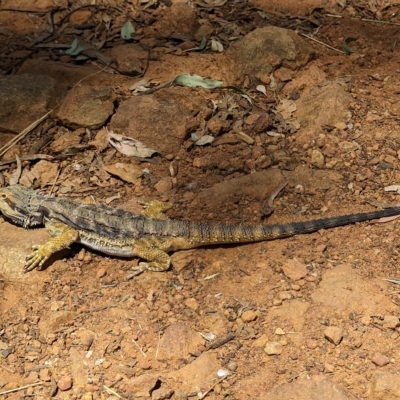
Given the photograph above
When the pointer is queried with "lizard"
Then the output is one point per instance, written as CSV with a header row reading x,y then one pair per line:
x,y
149,236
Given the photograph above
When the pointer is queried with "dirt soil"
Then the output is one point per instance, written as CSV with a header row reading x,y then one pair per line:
x,y
308,317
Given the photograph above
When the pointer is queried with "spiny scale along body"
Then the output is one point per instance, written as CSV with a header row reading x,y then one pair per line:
x,y
150,236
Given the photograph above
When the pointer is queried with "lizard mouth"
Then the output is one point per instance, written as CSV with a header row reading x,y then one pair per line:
x,y
18,218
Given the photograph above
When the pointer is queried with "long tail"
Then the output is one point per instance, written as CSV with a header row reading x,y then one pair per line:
x,y
200,233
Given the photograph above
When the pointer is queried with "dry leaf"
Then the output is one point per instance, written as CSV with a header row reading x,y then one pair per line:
x,y
129,146
14,178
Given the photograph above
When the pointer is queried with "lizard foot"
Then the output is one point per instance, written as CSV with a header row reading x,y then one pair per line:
x,y
37,258
147,266
140,268
155,209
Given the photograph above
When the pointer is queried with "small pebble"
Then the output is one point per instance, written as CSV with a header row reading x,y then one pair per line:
x,y
380,360
329,368
390,322
249,316
311,343
280,370
101,272
261,341
284,295
273,348
65,383
192,303
81,255
334,334
232,366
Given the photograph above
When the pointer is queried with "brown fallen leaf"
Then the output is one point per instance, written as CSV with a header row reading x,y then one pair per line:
x,y
129,146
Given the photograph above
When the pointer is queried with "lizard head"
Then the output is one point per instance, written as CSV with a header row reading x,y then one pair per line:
x,y
15,204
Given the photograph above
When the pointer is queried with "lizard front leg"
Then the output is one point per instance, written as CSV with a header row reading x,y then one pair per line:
x,y
64,237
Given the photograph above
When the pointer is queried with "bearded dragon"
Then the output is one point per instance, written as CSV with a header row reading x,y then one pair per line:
x,y
150,236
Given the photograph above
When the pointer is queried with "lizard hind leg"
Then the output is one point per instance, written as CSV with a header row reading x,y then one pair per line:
x,y
156,259
155,209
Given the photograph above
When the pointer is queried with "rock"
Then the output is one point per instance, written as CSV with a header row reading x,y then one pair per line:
x,y
295,269
32,95
182,259
179,341
153,119
87,107
285,295
80,17
143,384
347,147
127,172
65,383
66,140
201,373
379,359
390,322
101,272
180,17
45,172
131,58
334,334
162,394
265,49
20,23
324,105
44,375
249,315
217,125
311,343
86,338
273,348
365,320
385,386
66,75
283,74
261,341
164,185
40,5
317,158
192,303
257,185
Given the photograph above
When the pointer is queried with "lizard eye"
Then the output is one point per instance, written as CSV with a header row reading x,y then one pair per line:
x,y
3,196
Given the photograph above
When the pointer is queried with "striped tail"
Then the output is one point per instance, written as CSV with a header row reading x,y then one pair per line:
x,y
201,233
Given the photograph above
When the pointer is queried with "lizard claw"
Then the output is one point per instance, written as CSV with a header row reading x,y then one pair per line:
x,y
141,267
36,259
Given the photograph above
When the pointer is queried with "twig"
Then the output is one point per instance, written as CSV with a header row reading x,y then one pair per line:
x,y
29,158
54,182
364,19
220,342
158,345
109,390
269,204
14,178
140,349
21,388
203,396
323,44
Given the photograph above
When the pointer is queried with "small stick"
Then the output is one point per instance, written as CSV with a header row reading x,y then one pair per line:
x,y
323,44
21,388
